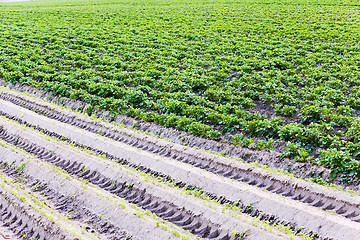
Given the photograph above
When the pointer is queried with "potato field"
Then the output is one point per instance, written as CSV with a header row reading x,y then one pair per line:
x,y
180,119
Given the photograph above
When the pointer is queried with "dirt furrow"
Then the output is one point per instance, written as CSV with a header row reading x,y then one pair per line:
x,y
245,208
26,217
125,190
67,205
97,211
199,220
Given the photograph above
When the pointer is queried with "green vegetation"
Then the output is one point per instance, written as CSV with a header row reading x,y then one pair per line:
x,y
258,69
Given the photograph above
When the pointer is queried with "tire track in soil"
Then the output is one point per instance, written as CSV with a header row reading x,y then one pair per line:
x,y
23,216
260,235
14,225
86,202
168,211
64,204
6,234
299,193
246,208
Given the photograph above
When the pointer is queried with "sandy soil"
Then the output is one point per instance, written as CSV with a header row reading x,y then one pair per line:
x,y
200,211
5,234
91,200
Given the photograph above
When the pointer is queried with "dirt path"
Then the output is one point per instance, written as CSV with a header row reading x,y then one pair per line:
x,y
133,167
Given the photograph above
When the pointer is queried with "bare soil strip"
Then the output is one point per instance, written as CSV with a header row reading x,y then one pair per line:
x,y
26,217
6,234
248,209
69,206
109,209
120,185
312,194
192,215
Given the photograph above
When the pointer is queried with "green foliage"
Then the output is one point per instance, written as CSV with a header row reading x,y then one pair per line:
x,y
199,129
269,71
237,139
247,141
268,144
286,110
354,132
295,151
315,113
339,161
260,145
